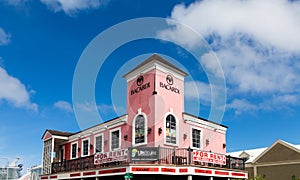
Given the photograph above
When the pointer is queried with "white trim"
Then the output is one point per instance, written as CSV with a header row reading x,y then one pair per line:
x,y
201,138
177,129
52,149
145,130
110,138
102,142
274,144
156,64
76,151
208,125
60,137
100,128
88,139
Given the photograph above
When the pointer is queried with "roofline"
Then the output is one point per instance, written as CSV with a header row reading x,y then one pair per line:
x,y
158,59
55,134
72,134
100,124
205,120
279,141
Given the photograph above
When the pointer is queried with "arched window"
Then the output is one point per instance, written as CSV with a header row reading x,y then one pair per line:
x,y
171,129
139,130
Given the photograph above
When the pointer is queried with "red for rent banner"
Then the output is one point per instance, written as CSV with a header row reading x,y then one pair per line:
x,y
209,157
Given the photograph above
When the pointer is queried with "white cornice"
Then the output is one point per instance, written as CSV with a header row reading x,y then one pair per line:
x,y
148,67
155,62
206,124
60,137
101,127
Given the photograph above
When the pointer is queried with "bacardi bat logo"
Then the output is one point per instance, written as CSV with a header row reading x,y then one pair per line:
x,y
140,80
169,79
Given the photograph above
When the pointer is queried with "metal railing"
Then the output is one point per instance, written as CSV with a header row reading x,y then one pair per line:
x,y
166,156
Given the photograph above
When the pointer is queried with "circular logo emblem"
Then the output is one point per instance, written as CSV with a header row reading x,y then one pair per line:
x,y
134,152
140,80
169,79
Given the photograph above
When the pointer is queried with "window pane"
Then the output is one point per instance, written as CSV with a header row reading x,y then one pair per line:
x,y
196,138
98,145
74,149
115,140
86,147
171,129
140,129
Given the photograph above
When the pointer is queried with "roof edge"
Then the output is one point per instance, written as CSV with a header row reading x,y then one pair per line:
x,y
158,59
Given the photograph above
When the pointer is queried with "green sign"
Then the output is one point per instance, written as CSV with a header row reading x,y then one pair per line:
x,y
128,176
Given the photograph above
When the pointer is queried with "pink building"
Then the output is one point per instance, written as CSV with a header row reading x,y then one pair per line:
x,y
156,139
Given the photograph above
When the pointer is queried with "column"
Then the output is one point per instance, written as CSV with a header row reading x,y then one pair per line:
x,y
255,171
211,178
52,149
190,177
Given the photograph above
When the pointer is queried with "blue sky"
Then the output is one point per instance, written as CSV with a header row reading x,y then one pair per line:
x,y
257,45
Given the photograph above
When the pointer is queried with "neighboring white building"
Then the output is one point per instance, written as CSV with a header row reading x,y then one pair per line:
x,y
32,174
10,171
280,161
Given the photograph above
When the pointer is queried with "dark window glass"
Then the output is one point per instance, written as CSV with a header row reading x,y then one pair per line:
x,y
86,147
196,138
139,129
115,139
74,149
98,145
171,129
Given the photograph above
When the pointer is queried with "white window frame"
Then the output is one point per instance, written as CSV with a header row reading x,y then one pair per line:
x,y
102,142
201,137
133,129
82,148
177,130
76,151
110,138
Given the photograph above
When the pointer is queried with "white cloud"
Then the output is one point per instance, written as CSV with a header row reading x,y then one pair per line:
x,y
13,91
4,37
197,90
273,22
71,7
257,44
240,106
249,71
63,105
211,63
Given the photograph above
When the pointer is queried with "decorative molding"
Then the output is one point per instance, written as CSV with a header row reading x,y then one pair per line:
x,y
205,124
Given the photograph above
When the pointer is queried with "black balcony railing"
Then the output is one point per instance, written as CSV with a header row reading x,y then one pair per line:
x,y
166,156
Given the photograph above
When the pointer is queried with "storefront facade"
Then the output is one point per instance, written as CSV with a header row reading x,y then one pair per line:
x,y
154,139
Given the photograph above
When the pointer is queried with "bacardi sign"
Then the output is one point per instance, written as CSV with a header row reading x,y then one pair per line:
x,y
169,85
140,85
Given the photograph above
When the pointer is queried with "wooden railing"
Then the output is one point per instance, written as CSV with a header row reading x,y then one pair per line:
x,y
166,156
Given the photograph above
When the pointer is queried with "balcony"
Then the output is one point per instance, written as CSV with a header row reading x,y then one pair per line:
x,y
160,156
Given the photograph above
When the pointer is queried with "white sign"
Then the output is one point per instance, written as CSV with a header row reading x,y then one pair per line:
x,y
209,157
112,156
